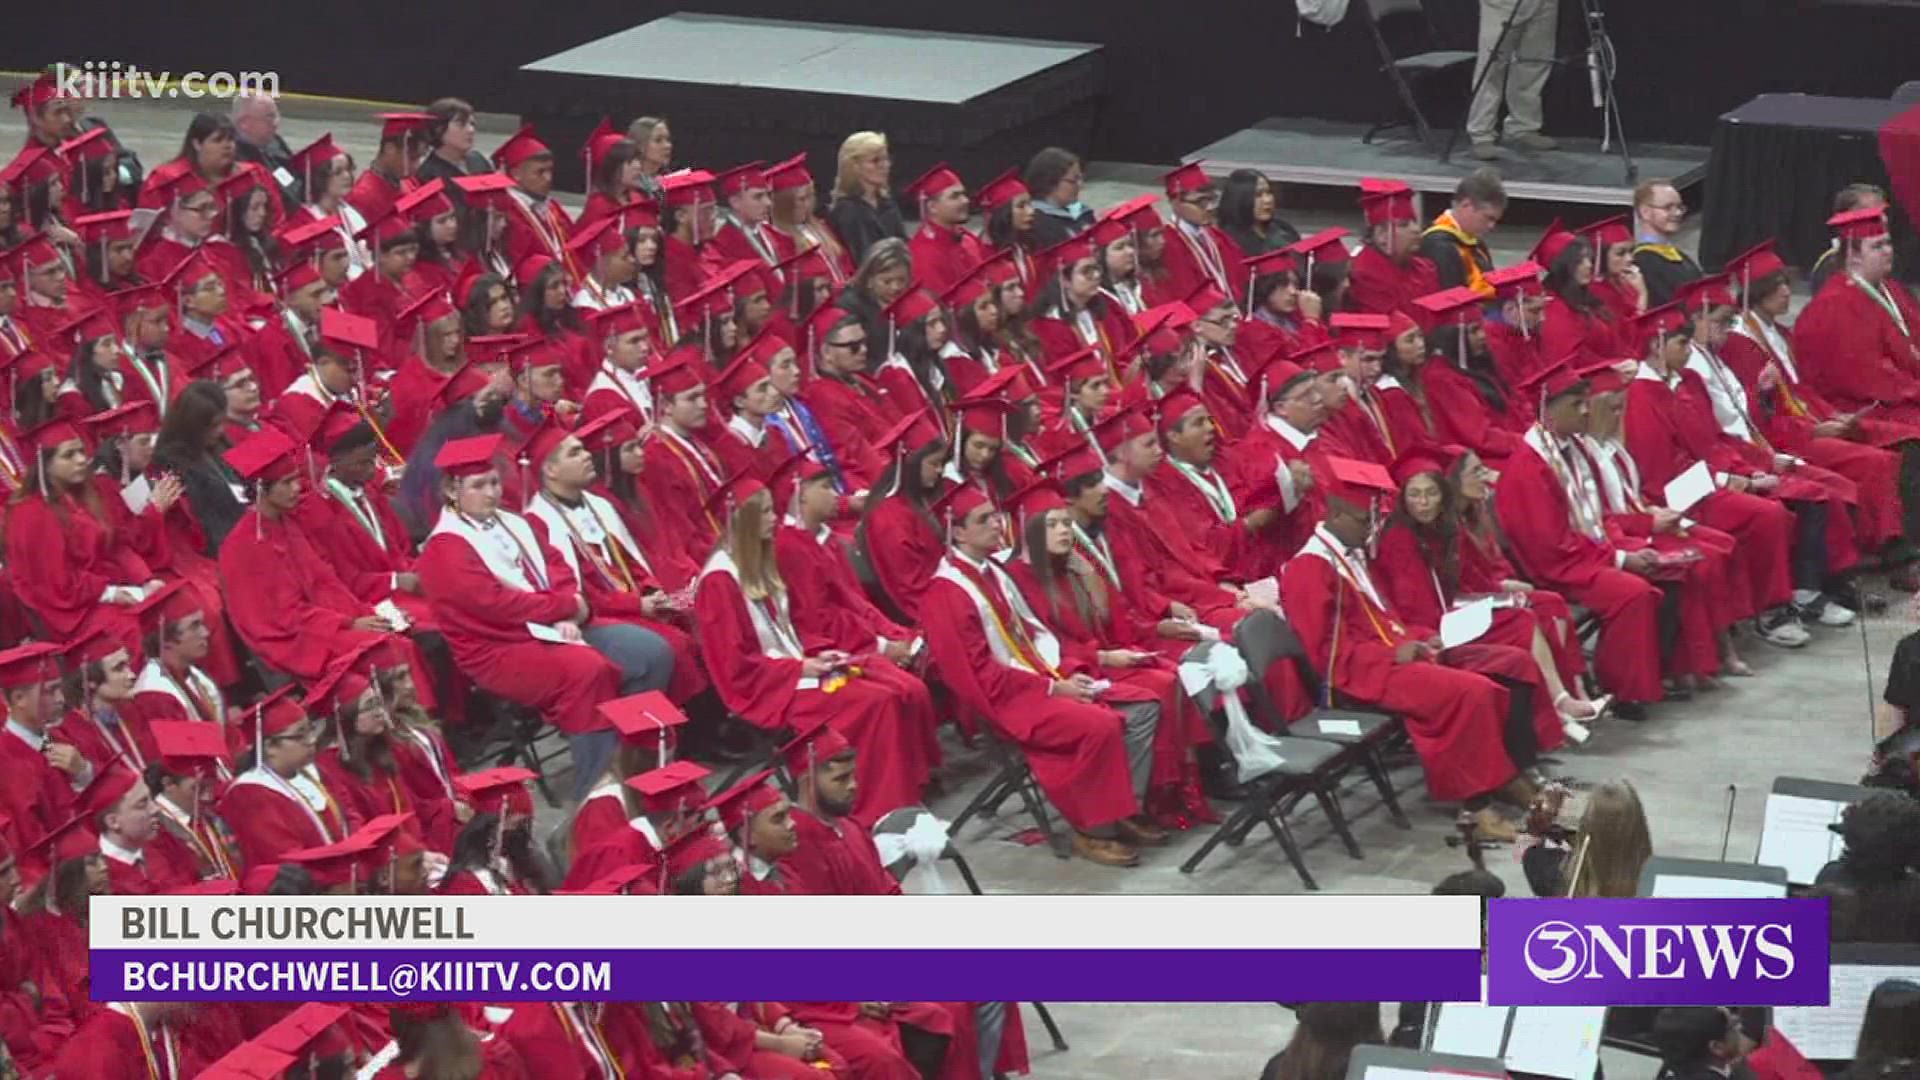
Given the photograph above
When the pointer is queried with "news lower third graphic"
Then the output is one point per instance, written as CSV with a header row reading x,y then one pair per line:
x,y
810,948
1657,952
960,948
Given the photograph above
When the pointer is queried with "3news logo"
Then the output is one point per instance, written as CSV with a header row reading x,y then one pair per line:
x,y
1657,952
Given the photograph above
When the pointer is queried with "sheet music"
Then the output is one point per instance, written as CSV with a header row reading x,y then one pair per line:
x,y
1830,1032
1687,886
1794,835
1561,1041
1470,1029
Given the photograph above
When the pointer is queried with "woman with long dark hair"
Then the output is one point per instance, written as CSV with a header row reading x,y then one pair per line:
x,y
884,275
488,308
1007,206
795,224
1285,318
192,446
244,204
1074,313
620,459
614,179
900,537
914,374
1575,320
1097,626
69,566
327,173
36,389
1248,201
443,260
94,381
1616,277
546,311
1472,405
209,151
1433,558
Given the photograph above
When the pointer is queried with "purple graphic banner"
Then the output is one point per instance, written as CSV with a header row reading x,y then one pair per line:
x,y
374,975
1657,952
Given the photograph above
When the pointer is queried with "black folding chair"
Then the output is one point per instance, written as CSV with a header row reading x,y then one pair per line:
x,y
1418,62
1014,777
1310,767
1366,739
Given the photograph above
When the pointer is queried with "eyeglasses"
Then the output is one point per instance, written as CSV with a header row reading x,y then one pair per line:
x,y
856,345
1202,201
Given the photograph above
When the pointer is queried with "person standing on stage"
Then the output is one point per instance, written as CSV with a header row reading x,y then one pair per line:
x,y
1516,56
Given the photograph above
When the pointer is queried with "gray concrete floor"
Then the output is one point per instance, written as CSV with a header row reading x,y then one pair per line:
x,y
1805,714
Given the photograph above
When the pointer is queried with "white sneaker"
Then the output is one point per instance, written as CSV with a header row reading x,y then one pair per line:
x,y
1826,611
1782,629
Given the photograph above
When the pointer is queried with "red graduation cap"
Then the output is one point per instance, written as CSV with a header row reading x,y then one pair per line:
x,y
1754,264
1602,377
308,238
470,456
522,146
733,491
1423,458
187,745
108,788
1081,364
600,142
791,174
32,96
485,189
178,187
34,252
334,864
766,345
49,436
1386,201
1514,282
984,415
908,433
714,297
1359,483
1173,408
386,229
530,266
1000,191
740,178
123,421
1459,304
676,373
1862,224
275,714
352,331
29,364
806,265
911,306
490,789
265,456
1205,298
1174,317
1704,293
1658,322
35,165
1186,180
935,181
424,203
1010,384
621,319
1327,245
170,603
602,237
695,850
1320,356
1120,427
91,648
1556,239
1059,258
814,743
673,788
90,145
320,151
1075,458
105,228
1107,231
235,188
737,805
1037,498
1140,214
209,887
28,664
1355,330
649,717
492,348
738,376
1277,261
340,685
429,307
1553,380
640,212
687,188
960,501
1605,233
71,839
400,125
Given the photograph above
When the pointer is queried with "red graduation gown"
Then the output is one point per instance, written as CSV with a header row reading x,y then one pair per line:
x,y
1665,439
540,1034
285,600
1214,259
1377,284
1218,549
373,193
374,296
277,358
686,266
109,1047
413,394
1853,353
365,563
131,742
1250,470
20,1014
267,822
680,475
485,624
852,413
904,549
1516,356
829,608
62,560
36,796
1076,750
1537,515
172,547
1453,717
890,724
527,235
1461,416
942,256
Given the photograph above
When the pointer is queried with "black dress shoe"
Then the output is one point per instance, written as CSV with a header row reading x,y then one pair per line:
x,y
1629,710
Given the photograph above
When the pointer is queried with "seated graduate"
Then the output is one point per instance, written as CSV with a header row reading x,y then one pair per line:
x,y
100,679
898,534
278,804
1474,734
1433,558
192,844
357,757
512,621
493,855
1093,760
768,674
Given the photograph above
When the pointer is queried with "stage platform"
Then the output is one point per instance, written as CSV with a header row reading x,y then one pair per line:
x,y
1323,152
740,89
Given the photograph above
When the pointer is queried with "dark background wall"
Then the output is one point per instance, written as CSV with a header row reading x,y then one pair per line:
x,y
1180,74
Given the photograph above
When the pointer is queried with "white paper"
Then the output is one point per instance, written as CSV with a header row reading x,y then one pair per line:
x,y
1470,1029
1340,727
549,634
283,177
1264,591
1562,1041
1688,887
1794,834
1466,623
391,612
1689,487
1830,1032
137,494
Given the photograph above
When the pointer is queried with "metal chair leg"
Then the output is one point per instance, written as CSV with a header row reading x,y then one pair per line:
x,y
1277,823
1037,806
1376,769
1053,1029
981,800
1238,822
1330,806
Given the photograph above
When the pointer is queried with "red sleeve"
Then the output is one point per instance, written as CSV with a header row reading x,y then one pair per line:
x,y
1842,344
1534,513
455,577
958,645
904,553
1307,594
754,685
728,1035
50,580
1403,576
